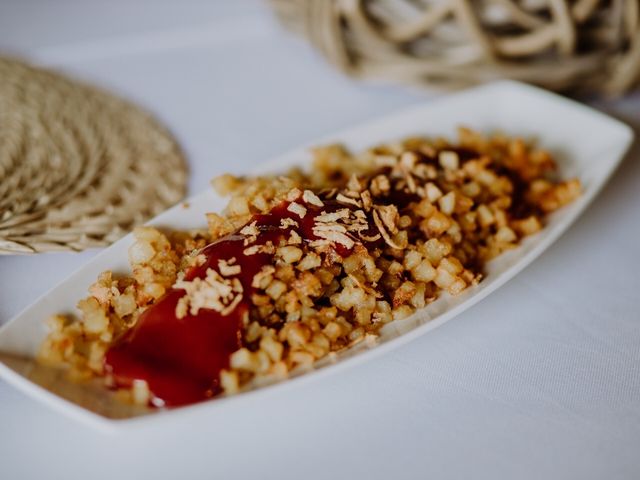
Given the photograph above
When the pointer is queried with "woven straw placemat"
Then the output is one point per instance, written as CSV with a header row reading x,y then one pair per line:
x,y
78,166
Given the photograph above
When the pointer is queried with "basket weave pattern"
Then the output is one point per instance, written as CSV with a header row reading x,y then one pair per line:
x,y
577,45
78,167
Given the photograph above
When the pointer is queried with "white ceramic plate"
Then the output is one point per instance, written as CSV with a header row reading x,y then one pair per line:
x,y
588,145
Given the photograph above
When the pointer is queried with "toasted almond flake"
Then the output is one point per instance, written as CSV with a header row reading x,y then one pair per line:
x,y
288,222
370,238
347,200
389,216
329,227
336,237
360,215
251,233
367,203
297,209
265,248
333,216
357,226
294,194
320,243
385,235
251,229
236,300
252,250
228,268
358,222
311,198
212,292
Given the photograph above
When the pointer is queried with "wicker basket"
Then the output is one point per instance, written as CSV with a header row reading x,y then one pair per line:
x,y
566,45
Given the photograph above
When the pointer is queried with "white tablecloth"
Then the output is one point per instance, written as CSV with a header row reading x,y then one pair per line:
x,y
541,380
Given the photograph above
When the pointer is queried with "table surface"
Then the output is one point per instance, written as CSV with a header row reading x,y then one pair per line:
x,y
541,380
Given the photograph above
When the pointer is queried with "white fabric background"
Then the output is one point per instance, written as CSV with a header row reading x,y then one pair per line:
x,y
541,380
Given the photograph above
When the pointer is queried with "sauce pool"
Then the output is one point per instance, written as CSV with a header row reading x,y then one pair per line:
x,y
181,359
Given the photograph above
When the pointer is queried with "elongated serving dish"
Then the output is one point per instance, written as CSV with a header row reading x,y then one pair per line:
x,y
586,143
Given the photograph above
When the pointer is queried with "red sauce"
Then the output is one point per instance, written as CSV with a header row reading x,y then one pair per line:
x,y
181,359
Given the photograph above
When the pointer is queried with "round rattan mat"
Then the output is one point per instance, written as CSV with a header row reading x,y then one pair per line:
x,y
78,166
